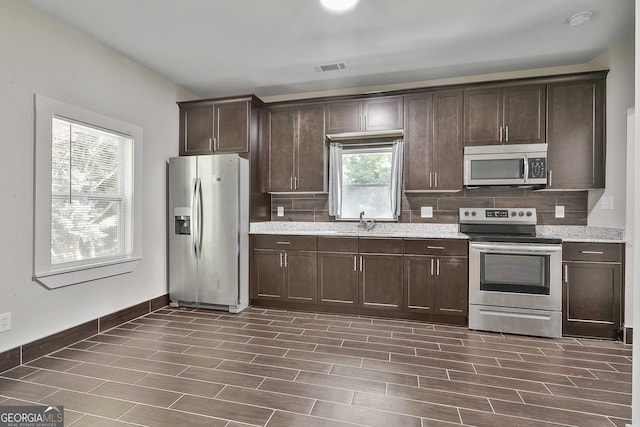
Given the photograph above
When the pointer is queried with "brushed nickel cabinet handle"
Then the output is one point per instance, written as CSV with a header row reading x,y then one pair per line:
x,y
438,267
441,248
506,133
566,273
283,243
281,264
355,263
592,252
210,144
432,266
500,139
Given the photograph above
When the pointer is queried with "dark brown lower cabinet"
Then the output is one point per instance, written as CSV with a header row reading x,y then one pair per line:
x,y
436,278
349,278
267,274
337,278
381,281
411,278
284,268
592,289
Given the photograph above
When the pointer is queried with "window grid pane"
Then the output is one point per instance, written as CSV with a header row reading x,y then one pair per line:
x,y
366,183
91,194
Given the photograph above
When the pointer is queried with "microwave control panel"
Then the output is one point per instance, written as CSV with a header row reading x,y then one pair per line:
x,y
537,167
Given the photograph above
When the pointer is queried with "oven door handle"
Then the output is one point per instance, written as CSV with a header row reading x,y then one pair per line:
x,y
486,247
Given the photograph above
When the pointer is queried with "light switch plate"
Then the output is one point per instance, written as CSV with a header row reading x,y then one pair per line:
x,y
280,210
559,211
606,202
426,212
5,322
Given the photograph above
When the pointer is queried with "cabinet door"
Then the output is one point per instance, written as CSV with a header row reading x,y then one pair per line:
x,y
451,286
268,274
280,151
576,150
310,149
381,281
447,141
418,143
525,114
482,116
418,278
300,276
344,117
383,113
196,130
337,278
592,299
232,127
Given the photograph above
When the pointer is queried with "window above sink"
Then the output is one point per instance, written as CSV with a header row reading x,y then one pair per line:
x,y
365,178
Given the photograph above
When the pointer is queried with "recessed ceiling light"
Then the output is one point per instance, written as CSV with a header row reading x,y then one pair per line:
x,y
579,18
338,6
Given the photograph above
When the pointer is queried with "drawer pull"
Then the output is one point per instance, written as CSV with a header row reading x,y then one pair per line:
x,y
592,252
283,243
441,248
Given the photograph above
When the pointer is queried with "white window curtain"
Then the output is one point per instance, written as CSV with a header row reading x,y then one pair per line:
x,y
396,178
335,179
336,151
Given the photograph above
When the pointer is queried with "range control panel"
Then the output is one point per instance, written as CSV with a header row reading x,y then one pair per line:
x,y
498,216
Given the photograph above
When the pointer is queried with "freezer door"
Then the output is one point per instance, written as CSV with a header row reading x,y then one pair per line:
x,y
218,268
183,279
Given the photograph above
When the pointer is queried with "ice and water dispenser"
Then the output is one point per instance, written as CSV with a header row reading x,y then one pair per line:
x,y
182,218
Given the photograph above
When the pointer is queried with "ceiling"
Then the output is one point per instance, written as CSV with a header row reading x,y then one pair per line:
x,y
270,47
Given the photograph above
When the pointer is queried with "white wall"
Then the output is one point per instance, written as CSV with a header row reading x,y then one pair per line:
x,y
40,55
619,59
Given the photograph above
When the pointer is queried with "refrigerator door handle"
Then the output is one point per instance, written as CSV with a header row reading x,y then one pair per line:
x,y
196,221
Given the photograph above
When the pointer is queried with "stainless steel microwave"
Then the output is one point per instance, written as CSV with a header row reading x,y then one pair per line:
x,y
516,164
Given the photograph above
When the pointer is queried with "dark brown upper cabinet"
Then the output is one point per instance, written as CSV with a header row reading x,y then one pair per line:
x,y
385,113
433,141
217,125
296,149
576,135
505,115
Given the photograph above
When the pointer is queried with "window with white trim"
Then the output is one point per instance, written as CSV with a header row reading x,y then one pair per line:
x,y
87,195
365,179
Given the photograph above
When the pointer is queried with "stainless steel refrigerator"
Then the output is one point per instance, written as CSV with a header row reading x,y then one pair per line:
x,y
208,232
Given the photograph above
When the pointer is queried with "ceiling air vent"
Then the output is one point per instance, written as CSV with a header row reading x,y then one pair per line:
x,y
330,67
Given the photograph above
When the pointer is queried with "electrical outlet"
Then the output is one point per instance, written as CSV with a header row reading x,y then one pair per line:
x,y
559,211
426,211
280,210
5,322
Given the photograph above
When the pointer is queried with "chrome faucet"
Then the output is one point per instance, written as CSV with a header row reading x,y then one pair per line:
x,y
366,225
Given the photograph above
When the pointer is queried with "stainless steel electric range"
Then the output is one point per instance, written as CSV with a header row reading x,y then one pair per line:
x,y
515,277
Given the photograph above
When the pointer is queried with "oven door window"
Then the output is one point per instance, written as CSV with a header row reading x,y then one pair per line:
x,y
515,273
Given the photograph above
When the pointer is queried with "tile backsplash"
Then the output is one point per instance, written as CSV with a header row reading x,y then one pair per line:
x,y
314,207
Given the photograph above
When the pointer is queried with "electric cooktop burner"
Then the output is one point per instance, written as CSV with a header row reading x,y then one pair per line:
x,y
506,225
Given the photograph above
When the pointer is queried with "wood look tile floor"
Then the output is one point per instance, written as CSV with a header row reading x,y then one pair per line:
x,y
186,367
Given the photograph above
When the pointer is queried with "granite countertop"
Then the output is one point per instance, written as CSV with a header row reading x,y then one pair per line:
x,y
582,233
568,233
381,229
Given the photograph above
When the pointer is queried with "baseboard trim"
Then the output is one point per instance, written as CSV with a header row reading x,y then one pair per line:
x,y
28,352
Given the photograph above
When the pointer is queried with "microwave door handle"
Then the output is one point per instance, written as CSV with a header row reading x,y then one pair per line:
x,y
525,168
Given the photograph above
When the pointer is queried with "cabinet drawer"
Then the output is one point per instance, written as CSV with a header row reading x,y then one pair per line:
x,y
285,242
442,247
385,246
338,244
611,252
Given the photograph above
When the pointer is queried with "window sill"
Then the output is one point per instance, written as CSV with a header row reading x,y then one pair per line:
x,y
59,279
